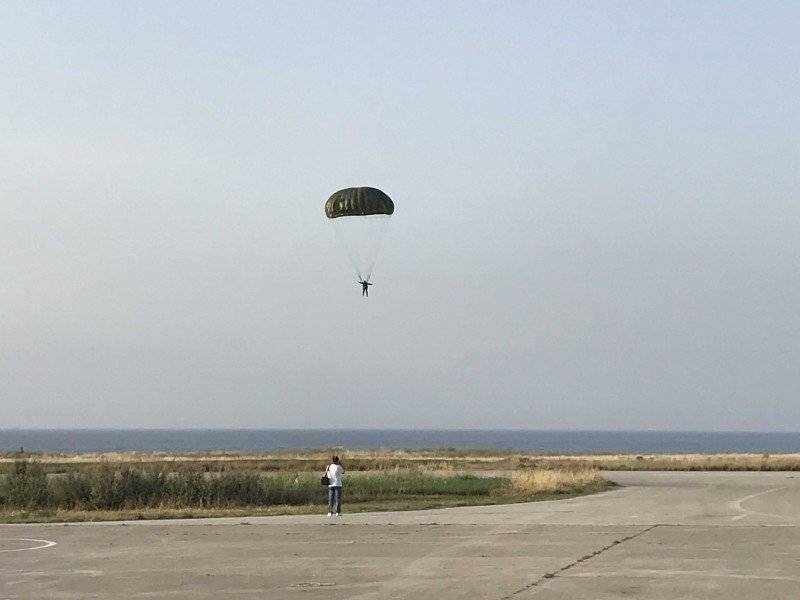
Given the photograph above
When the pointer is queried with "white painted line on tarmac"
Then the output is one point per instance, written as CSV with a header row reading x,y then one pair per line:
x,y
42,544
737,504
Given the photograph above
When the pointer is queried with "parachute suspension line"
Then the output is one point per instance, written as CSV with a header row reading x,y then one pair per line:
x,y
352,256
360,219
361,238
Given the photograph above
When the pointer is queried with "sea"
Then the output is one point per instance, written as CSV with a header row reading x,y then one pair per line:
x,y
261,440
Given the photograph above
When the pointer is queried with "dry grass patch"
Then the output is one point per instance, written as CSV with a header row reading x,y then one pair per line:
x,y
441,462
675,462
532,482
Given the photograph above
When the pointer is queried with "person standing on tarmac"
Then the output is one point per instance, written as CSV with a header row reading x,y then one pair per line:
x,y
334,473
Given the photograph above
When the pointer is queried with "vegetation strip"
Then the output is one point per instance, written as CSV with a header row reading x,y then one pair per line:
x,y
32,492
469,459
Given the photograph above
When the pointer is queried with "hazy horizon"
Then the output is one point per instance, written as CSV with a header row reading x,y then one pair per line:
x,y
426,429
596,222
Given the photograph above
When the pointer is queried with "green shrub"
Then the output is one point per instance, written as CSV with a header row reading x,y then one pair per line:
x,y
70,491
26,486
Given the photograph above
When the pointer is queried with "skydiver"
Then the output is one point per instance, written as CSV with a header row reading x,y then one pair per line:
x,y
364,287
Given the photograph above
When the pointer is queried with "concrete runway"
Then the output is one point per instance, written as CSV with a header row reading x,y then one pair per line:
x,y
662,535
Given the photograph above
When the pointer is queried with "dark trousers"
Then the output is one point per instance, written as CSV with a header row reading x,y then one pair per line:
x,y
335,499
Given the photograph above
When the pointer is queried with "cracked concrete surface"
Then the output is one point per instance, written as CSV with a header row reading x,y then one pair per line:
x,y
660,535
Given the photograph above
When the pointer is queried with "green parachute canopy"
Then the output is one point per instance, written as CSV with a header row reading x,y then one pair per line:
x,y
358,202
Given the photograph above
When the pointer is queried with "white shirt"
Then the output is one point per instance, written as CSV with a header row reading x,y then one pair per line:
x,y
335,473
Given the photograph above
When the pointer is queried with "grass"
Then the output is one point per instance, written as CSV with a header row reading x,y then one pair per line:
x,y
109,486
266,463
676,462
30,491
531,482
446,459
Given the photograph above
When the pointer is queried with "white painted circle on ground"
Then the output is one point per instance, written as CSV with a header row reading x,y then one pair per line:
x,y
25,543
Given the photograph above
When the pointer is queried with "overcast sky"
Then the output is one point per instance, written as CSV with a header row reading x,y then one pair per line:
x,y
596,223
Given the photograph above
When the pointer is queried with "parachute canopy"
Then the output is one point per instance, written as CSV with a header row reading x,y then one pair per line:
x,y
358,202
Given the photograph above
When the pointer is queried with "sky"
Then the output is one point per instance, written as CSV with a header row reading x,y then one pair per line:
x,y
596,220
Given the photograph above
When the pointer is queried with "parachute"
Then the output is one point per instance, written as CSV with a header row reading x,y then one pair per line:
x,y
360,217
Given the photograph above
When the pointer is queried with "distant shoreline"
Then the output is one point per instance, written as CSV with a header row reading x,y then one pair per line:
x,y
473,460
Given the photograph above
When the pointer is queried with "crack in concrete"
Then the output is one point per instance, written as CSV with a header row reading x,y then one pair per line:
x,y
575,563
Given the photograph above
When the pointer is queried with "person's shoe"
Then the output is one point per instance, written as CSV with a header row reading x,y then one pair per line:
x,y
338,515
330,514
